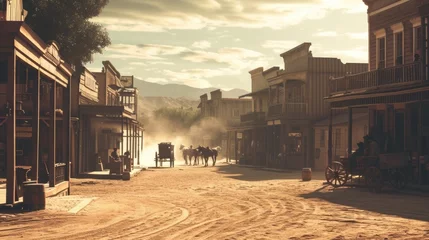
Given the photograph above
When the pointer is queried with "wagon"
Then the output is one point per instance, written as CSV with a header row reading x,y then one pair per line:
x,y
165,154
375,170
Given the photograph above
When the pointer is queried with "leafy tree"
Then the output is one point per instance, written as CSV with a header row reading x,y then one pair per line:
x,y
67,22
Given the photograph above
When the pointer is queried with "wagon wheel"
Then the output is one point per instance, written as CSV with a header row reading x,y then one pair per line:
x,y
398,179
373,178
336,175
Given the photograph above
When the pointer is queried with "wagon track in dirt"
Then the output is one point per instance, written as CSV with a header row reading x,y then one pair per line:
x,y
205,203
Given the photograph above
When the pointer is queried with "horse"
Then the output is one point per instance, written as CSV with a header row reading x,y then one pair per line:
x,y
207,152
191,153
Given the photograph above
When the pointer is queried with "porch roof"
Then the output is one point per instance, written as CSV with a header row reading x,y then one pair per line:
x,y
107,111
265,90
340,119
397,89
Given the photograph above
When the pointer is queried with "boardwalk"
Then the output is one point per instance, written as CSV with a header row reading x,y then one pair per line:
x,y
226,202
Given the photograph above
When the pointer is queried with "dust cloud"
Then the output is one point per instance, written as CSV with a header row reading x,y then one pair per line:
x,y
158,130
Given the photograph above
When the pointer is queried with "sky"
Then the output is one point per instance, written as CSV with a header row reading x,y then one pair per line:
x,y
215,43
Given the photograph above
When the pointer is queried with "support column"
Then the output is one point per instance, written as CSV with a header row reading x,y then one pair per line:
x,y
138,144
350,132
67,130
424,48
11,192
36,128
52,134
330,138
419,145
122,131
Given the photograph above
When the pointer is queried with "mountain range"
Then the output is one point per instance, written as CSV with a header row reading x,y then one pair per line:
x,y
149,89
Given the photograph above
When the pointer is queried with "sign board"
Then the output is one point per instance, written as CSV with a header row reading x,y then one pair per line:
x,y
239,135
127,81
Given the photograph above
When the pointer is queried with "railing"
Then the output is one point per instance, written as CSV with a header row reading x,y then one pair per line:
x,y
296,109
60,173
275,110
393,75
253,117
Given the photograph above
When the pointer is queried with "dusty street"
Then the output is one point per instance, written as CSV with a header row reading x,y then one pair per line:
x,y
224,202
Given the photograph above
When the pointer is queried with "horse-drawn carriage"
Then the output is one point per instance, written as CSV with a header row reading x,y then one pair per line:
x,y
375,170
165,154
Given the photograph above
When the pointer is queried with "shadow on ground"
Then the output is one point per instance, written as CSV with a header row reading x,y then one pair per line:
x,y
259,174
388,202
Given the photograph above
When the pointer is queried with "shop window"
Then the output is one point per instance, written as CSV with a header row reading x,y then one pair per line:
x,y
3,72
295,143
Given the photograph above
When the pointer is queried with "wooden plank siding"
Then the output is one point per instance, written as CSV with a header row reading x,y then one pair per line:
x,y
402,13
319,72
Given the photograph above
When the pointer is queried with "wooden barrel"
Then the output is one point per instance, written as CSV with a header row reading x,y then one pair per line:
x,y
34,196
306,174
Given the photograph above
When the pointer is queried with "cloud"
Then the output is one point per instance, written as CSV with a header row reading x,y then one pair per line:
x,y
198,77
280,46
202,44
326,34
360,35
359,54
156,80
162,15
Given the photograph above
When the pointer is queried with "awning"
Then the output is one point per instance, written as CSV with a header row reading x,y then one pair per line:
x,y
254,93
340,119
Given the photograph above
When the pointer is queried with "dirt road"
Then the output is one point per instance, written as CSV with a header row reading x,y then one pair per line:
x,y
224,202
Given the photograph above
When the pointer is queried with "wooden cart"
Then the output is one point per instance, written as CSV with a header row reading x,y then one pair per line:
x,y
165,154
377,171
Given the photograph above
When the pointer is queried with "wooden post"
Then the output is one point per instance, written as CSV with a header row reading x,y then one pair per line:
x,y
236,147
330,138
67,129
78,168
36,128
138,144
423,50
419,144
122,131
52,134
350,132
11,130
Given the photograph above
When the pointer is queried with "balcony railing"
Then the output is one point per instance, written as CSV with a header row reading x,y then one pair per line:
x,y
296,109
275,110
393,75
253,117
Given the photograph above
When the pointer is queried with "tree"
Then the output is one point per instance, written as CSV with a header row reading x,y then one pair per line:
x,y
68,23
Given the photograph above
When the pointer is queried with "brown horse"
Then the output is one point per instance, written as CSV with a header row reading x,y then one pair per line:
x,y
207,152
190,153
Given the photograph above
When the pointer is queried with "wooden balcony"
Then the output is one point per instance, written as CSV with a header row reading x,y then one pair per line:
x,y
381,77
253,117
275,110
294,110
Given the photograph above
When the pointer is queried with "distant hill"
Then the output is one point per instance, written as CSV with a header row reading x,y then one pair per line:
x,y
148,89
147,105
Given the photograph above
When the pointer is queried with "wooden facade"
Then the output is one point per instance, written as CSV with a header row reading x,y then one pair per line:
x,y
295,103
227,112
395,90
35,98
106,118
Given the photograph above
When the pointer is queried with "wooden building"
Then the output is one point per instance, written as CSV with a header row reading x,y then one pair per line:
x,y
339,140
395,89
296,102
105,110
226,111
247,141
35,111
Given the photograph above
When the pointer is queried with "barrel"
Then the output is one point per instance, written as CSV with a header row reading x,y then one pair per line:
x,y
34,196
126,176
306,174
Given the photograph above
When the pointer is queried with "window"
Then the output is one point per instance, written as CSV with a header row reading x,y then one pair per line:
x,y
380,36
295,143
417,35
260,105
322,138
381,43
236,113
398,50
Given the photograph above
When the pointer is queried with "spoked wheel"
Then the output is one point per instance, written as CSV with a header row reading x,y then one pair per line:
x,y
373,178
398,179
336,175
